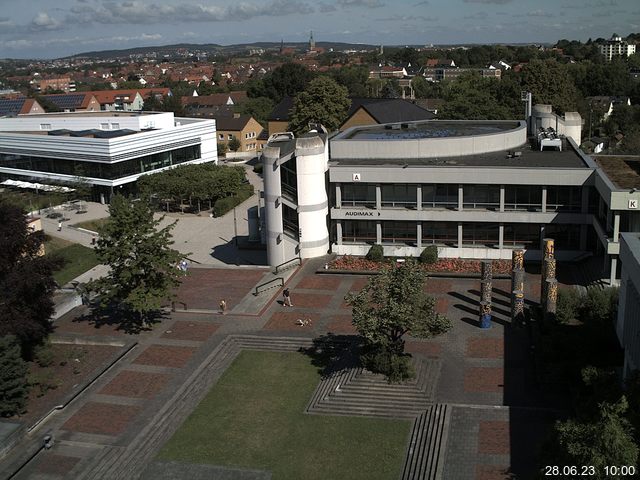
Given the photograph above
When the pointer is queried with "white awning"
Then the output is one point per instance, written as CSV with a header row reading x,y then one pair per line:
x,y
37,186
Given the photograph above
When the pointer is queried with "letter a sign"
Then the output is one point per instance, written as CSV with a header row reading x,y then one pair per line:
x,y
355,177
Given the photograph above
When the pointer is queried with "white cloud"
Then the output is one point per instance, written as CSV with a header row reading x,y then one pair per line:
x,y
327,7
538,13
477,16
142,13
43,21
407,18
496,2
360,3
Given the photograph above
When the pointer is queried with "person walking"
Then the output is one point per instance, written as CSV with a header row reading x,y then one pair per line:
x,y
223,307
59,225
286,297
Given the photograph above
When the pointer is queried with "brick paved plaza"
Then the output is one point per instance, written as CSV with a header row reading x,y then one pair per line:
x,y
485,376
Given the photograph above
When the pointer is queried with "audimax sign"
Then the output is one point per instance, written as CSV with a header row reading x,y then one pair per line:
x,y
360,213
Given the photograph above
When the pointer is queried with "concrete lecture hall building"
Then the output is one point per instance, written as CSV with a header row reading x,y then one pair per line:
x,y
476,189
108,149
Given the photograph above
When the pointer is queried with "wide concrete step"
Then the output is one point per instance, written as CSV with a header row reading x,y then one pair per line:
x,y
391,402
366,411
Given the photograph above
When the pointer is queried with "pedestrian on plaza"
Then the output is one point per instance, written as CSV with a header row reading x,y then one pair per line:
x,y
286,296
59,225
223,307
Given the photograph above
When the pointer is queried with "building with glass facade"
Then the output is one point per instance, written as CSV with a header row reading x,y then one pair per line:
x,y
476,189
108,150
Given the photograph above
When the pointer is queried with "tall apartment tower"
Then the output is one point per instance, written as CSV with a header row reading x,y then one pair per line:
x,y
616,46
312,43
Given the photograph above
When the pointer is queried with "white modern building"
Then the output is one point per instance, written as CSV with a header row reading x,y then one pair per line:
x,y
296,202
628,324
109,150
475,189
615,46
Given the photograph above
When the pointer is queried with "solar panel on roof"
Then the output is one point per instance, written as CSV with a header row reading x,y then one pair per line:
x,y
66,101
11,107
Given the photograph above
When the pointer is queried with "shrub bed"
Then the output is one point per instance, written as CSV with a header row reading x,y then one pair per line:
x,y
224,205
452,265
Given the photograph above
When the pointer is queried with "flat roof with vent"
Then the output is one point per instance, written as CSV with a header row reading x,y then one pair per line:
x,y
442,143
430,129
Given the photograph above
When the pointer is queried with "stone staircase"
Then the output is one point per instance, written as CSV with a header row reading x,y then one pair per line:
x,y
425,457
356,391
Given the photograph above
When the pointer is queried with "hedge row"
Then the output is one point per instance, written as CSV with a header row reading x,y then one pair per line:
x,y
226,204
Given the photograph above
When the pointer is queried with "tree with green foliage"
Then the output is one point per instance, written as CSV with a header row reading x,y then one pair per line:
x,y
26,280
222,149
390,88
471,97
13,377
604,440
354,78
206,182
391,305
550,83
259,108
322,102
142,264
168,103
234,144
287,80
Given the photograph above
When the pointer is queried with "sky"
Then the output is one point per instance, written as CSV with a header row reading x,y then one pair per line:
x,y
56,28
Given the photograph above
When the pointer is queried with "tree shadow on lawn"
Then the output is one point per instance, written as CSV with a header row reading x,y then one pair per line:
x,y
332,353
120,318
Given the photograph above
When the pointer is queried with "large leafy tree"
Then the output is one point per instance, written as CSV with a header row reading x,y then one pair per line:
x,y
196,183
354,77
550,83
287,80
142,263
390,306
259,108
471,97
322,102
26,281
13,372
604,440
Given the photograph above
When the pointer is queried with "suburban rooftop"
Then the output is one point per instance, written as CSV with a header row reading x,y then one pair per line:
x,y
623,171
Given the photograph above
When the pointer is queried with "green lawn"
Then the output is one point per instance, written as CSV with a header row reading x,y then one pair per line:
x,y
253,418
92,225
78,258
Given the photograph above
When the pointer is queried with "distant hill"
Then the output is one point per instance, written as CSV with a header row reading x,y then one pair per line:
x,y
213,48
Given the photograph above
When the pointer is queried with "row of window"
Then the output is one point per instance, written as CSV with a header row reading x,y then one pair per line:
x,y
446,233
108,171
487,197
230,136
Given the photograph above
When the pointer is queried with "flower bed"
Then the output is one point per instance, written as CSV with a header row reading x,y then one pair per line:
x,y
444,265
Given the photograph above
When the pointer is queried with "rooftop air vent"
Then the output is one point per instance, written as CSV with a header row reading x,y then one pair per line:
x,y
281,137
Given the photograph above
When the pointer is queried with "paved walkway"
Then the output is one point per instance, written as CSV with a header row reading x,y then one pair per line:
x,y
496,412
